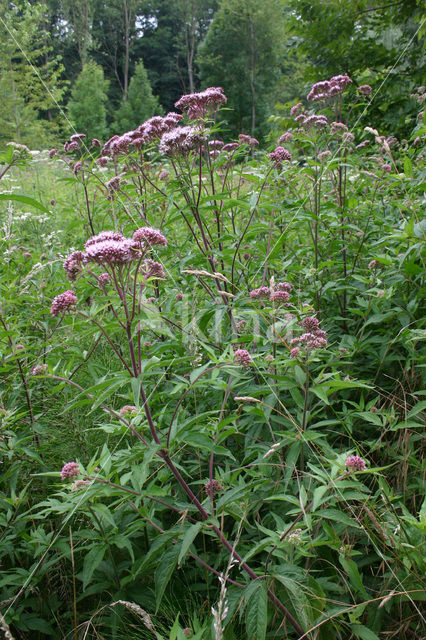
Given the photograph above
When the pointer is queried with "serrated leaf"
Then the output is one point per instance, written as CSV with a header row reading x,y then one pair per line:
x,y
337,516
188,539
256,614
164,572
318,494
91,563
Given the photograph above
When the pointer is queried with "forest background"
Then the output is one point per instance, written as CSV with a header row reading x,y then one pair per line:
x,y
103,67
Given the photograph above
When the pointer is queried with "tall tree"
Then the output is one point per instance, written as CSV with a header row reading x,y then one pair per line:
x,y
373,41
31,83
242,52
87,104
139,103
79,14
194,18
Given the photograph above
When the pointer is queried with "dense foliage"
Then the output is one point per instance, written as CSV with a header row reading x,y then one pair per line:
x,y
212,390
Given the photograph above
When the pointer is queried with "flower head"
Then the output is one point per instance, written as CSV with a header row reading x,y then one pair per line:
x,y
104,235
77,136
128,410
296,109
242,357
111,251
310,324
114,183
63,302
283,286
181,140
102,161
230,146
70,470
364,90
245,139
103,279
198,105
279,296
149,236
39,369
286,137
79,484
73,264
355,463
261,292
279,155
52,152
212,487
153,269
329,88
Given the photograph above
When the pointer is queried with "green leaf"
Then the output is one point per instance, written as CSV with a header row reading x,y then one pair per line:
x,y
337,516
257,613
20,197
92,562
363,632
318,494
321,392
188,539
408,167
164,571
354,575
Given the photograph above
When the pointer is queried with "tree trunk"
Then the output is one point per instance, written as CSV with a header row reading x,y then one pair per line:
x,y
127,47
252,87
15,106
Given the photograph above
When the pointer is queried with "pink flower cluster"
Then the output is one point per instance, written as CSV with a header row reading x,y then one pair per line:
x,y
279,296
355,463
338,127
148,131
71,146
212,487
111,251
112,248
39,369
63,302
281,293
261,292
279,155
128,409
329,88
153,269
70,470
313,338
181,140
149,236
230,146
286,137
364,90
308,122
103,279
102,161
296,109
199,105
114,183
73,264
245,139
242,357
